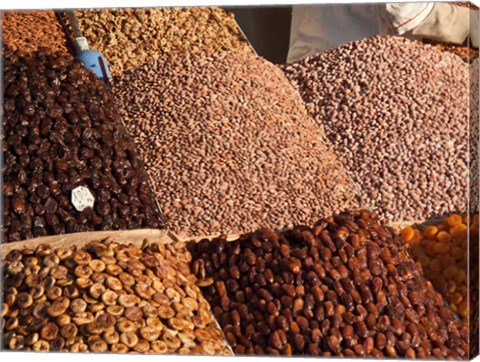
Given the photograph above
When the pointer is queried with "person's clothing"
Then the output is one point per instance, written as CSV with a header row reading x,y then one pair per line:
x,y
318,28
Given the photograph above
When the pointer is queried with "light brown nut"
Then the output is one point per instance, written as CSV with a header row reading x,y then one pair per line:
x,y
133,313
11,323
115,310
69,330
113,269
106,320
15,267
83,271
78,305
48,281
125,325
173,294
93,328
159,347
32,280
165,312
109,297
158,286
154,322
172,342
99,277
88,298
83,318
114,283
53,293
126,279
149,310
190,303
202,335
10,299
177,323
128,300
49,331
96,307
149,333
96,265
119,348
24,300
51,260
32,338
81,258
58,307
205,282
79,347
37,291
41,346
143,290
57,344
111,337
83,283
185,337
63,319
180,308
96,290
96,344
59,271
64,253
129,339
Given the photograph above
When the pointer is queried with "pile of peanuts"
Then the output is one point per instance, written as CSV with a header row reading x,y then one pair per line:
x,y
28,31
396,112
346,287
228,145
107,297
130,37
442,250
62,130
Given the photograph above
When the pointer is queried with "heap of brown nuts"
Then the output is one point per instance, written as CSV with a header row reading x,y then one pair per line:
x,y
106,297
346,287
396,112
228,144
131,37
62,130
28,31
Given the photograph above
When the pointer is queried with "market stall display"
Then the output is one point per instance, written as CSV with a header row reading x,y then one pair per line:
x,y
69,164
345,287
228,144
129,207
131,37
106,297
396,112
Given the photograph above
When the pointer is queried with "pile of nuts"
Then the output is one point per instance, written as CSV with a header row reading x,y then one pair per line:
x,y
396,112
28,31
130,37
346,287
62,130
473,136
442,250
107,297
228,145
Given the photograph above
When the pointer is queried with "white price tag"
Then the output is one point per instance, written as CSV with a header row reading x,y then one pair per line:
x,y
82,198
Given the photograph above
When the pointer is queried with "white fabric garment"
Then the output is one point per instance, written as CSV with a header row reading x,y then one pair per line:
x,y
318,28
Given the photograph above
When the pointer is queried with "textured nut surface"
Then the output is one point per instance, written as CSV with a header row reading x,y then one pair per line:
x,y
62,130
345,287
396,111
90,316
255,145
130,37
